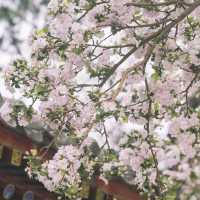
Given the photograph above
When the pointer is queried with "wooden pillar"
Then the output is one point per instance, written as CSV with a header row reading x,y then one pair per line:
x,y
93,190
108,197
6,155
118,189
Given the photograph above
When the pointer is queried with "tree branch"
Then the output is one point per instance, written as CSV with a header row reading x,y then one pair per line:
x,y
159,35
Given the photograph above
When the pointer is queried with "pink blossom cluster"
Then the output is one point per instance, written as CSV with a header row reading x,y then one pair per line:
x,y
63,172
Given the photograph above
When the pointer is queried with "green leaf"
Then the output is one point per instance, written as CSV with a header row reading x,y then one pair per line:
x,y
42,32
155,76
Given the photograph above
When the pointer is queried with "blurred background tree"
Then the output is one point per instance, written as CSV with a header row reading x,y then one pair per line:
x,y
18,18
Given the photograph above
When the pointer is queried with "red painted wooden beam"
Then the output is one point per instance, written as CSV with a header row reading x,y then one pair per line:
x,y
13,140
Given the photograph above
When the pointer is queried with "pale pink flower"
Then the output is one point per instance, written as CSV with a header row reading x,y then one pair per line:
x,y
5,111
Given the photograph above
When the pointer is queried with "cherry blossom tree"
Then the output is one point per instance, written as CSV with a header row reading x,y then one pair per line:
x,y
119,82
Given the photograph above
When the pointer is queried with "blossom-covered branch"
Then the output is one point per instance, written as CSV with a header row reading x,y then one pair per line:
x,y
112,82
